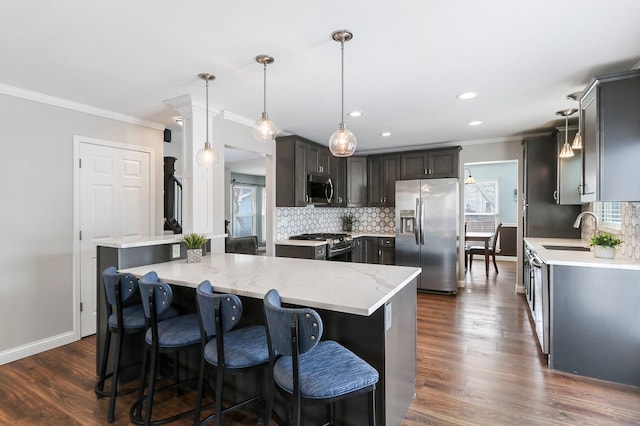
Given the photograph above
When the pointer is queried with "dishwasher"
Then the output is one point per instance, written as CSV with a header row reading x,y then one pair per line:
x,y
537,293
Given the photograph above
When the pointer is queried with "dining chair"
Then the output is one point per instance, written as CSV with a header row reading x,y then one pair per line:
x,y
307,369
163,337
228,349
479,249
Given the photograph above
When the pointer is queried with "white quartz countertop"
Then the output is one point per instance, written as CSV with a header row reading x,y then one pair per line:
x,y
154,240
353,288
575,258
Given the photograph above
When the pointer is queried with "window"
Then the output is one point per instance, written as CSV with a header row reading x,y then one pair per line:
x,y
609,213
480,205
248,214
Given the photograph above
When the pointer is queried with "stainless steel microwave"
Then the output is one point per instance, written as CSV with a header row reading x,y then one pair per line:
x,y
319,190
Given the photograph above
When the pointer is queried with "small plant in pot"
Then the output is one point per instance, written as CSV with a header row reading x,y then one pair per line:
x,y
604,245
347,222
194,243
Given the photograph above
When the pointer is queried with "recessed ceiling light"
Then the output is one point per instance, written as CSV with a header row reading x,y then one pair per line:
x,y
467,95
475,123
385,134
355,114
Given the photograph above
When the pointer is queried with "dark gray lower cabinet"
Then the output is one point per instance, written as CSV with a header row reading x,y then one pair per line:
x,y
302,252
595,314
377,250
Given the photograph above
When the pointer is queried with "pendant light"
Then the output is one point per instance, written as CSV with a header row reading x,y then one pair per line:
x,y
264,129
207,156
469,180
577,140
342,142
566,151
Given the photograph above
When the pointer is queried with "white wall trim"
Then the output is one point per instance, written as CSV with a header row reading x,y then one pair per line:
x,y
76,106
36,347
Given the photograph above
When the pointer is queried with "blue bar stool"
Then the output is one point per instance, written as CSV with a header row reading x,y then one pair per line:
x,y
164,336
124,316
228,349
306,369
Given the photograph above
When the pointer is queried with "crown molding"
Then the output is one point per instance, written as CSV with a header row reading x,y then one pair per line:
x,y
76,106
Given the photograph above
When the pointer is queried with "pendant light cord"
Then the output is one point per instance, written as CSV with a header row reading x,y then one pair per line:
x,y
207,110
265,88
342,81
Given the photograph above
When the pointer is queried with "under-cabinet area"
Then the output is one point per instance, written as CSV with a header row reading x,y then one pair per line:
x,y
585,310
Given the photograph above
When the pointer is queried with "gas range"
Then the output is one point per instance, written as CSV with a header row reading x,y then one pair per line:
x,y
337,243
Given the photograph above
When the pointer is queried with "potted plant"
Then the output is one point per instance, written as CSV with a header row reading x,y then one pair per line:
x,y
604,245
194,243
347,222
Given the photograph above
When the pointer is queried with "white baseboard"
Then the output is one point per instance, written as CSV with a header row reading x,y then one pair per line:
x,y
36,347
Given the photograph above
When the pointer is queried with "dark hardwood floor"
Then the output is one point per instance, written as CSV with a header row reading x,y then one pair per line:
x,y
478,364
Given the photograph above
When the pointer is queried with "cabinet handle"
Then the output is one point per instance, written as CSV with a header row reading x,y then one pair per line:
x,y
379,252
555,195
580,189
426,172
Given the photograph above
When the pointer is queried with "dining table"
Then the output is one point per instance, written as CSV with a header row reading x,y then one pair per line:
x,y
485,237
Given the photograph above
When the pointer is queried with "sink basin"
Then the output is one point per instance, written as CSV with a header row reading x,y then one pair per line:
x,y
570,248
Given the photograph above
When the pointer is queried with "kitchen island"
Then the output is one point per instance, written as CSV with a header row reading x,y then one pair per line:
x,y
371,309
594,311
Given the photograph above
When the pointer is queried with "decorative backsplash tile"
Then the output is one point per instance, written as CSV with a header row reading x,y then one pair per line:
x,y
629,233
300,220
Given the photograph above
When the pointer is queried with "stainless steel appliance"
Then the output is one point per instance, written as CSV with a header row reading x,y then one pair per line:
x,y
338,245
319,190
427,213
536,287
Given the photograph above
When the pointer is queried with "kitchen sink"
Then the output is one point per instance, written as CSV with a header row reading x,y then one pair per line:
x,y
569,248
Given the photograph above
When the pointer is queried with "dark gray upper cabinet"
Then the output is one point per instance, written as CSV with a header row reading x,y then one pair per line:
x,y
319,160
569,170
429,164
291,172
382,173
611,134
339,176
356,181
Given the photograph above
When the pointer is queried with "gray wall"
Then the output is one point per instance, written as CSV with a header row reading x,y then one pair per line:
x,y
36,292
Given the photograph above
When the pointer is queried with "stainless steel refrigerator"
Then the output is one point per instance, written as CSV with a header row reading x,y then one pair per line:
x,y
427,231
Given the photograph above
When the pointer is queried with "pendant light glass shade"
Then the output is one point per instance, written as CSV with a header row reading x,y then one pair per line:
x,y
264,129
469,180
342,142
207,156
566,151
577,141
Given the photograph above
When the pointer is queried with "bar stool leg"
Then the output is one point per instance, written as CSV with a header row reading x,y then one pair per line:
x,y
103,364
114,377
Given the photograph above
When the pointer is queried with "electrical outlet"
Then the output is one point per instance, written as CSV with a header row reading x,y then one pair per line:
x,y
175,251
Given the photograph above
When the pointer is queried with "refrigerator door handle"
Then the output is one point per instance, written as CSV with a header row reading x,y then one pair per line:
x,y
421,223
416,226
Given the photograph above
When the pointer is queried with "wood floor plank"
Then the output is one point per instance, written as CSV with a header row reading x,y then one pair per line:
x,y
478,363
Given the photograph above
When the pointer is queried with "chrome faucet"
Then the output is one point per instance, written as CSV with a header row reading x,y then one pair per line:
x,y
576,224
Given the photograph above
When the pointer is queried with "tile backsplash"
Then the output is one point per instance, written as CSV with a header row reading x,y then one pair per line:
x,y
629,232
300,220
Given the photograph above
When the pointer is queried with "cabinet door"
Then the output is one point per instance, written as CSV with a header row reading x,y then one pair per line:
x,y
300,174
414,165
386,251
374,181
339,177
569,170
590,150
371,250
318,160
443,163
356,181
358,250
391,173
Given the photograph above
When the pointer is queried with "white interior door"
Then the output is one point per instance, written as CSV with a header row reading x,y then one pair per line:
x,y
114,203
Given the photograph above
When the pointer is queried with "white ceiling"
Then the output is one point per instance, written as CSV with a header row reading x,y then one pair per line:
x,y
404,67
